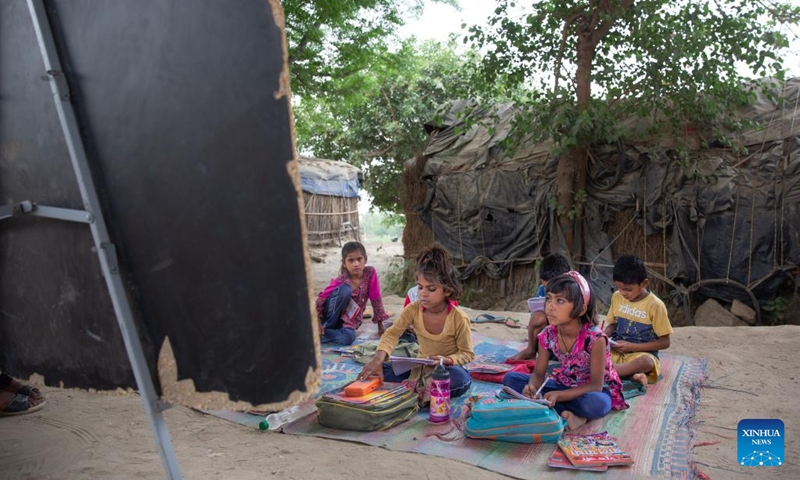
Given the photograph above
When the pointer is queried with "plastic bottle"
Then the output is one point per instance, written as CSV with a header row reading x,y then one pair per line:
x,y
440,395
274,421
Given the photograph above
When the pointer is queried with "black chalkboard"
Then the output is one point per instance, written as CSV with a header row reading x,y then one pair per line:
x,y
185,117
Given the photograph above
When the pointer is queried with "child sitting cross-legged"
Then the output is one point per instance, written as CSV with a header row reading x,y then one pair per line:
x,y
638,323
441,327
586,386
357,282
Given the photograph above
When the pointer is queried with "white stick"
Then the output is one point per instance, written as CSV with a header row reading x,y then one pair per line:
x,y
541,387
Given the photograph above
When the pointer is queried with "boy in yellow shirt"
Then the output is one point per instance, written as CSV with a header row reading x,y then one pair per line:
x,y
638,323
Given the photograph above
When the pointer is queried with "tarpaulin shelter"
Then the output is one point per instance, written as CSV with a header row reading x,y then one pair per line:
x,y
330,196
726,221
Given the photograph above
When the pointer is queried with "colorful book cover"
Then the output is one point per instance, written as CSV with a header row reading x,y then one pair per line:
x,y
559,460
593,449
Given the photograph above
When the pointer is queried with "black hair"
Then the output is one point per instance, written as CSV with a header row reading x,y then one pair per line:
x,y
349,248
567,286
434,264
552,265
629,269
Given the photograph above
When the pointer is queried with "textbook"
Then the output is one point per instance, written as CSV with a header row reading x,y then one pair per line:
x,y
559,460
593,449
401,365
511,393
477,367
350,311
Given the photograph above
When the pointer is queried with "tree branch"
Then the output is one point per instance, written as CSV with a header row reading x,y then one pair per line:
x,y
605,26
379,153
389,104
303,43
561,47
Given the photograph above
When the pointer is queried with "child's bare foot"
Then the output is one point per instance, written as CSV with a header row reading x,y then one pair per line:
x,y
574,422
640,378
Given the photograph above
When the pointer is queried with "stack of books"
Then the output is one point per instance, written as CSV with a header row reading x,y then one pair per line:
x,y
594,452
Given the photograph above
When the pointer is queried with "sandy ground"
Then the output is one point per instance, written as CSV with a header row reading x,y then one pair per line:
x,y
752,374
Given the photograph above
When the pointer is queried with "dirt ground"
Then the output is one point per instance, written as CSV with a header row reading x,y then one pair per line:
x,y
752,374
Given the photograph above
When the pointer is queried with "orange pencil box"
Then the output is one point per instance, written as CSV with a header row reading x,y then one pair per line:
x,y
359,388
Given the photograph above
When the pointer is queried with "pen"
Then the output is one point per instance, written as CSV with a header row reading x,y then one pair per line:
x,y
541,386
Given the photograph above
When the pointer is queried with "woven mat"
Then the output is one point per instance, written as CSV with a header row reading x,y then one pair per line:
x,y
658,430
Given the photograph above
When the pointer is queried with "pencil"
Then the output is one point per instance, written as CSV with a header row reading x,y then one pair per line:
x,y
547,377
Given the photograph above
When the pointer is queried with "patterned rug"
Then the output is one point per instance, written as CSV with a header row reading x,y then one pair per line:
x,y
658,430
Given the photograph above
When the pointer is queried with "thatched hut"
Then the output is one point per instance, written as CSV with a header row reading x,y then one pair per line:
x,y
721,221
330,194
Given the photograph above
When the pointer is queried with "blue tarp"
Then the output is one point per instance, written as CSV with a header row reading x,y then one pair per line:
x,y
329,177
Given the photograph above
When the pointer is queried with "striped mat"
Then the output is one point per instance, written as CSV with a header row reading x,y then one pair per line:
x,y
658,430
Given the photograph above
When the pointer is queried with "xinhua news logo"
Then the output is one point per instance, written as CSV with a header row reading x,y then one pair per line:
x,y
760,442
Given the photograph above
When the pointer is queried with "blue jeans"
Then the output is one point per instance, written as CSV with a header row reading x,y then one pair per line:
x,y
460,381
589,405
332,317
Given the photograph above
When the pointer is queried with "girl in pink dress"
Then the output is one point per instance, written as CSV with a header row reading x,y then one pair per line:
x,y
340,306
587,385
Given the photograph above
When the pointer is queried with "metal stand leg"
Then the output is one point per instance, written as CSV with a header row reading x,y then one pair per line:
x,y
105,249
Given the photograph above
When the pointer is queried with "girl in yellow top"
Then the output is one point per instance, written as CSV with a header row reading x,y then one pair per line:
x,y
442,328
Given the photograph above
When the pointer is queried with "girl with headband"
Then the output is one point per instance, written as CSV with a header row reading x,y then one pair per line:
x,y
586,386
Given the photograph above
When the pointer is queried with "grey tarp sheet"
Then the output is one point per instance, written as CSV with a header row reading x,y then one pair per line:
x,y
726,217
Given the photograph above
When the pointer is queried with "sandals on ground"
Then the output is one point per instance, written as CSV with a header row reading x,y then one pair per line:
x,y
20,405
15,386
507,321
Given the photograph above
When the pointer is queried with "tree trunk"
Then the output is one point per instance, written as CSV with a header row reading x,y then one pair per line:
x,y
571,173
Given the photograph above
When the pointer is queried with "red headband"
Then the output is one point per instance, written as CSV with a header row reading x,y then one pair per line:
x,y
584,286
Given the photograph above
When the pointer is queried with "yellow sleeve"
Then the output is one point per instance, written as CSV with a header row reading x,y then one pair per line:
x,y
463,337
392,334
611,319
660,318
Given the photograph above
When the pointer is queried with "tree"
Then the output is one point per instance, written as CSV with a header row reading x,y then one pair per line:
x,y
380,126
677,62
360,94
329,40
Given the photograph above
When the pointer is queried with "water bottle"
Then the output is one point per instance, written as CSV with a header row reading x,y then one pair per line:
x,y
275,421
440,395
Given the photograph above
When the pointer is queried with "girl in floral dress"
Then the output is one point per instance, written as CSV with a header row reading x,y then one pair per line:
x,y
587,385
341,305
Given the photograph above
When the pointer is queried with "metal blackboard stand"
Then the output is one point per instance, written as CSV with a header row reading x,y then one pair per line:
x,y
93,216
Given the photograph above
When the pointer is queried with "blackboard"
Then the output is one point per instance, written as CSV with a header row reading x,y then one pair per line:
x,y
185,116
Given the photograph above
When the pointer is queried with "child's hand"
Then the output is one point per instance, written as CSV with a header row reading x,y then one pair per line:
x,y
624,347
445,360
554,396
372,369
529,391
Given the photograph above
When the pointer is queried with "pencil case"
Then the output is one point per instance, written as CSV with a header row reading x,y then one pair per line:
x,y
359,388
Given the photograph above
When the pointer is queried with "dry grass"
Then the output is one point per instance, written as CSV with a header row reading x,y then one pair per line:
x,y
327,217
